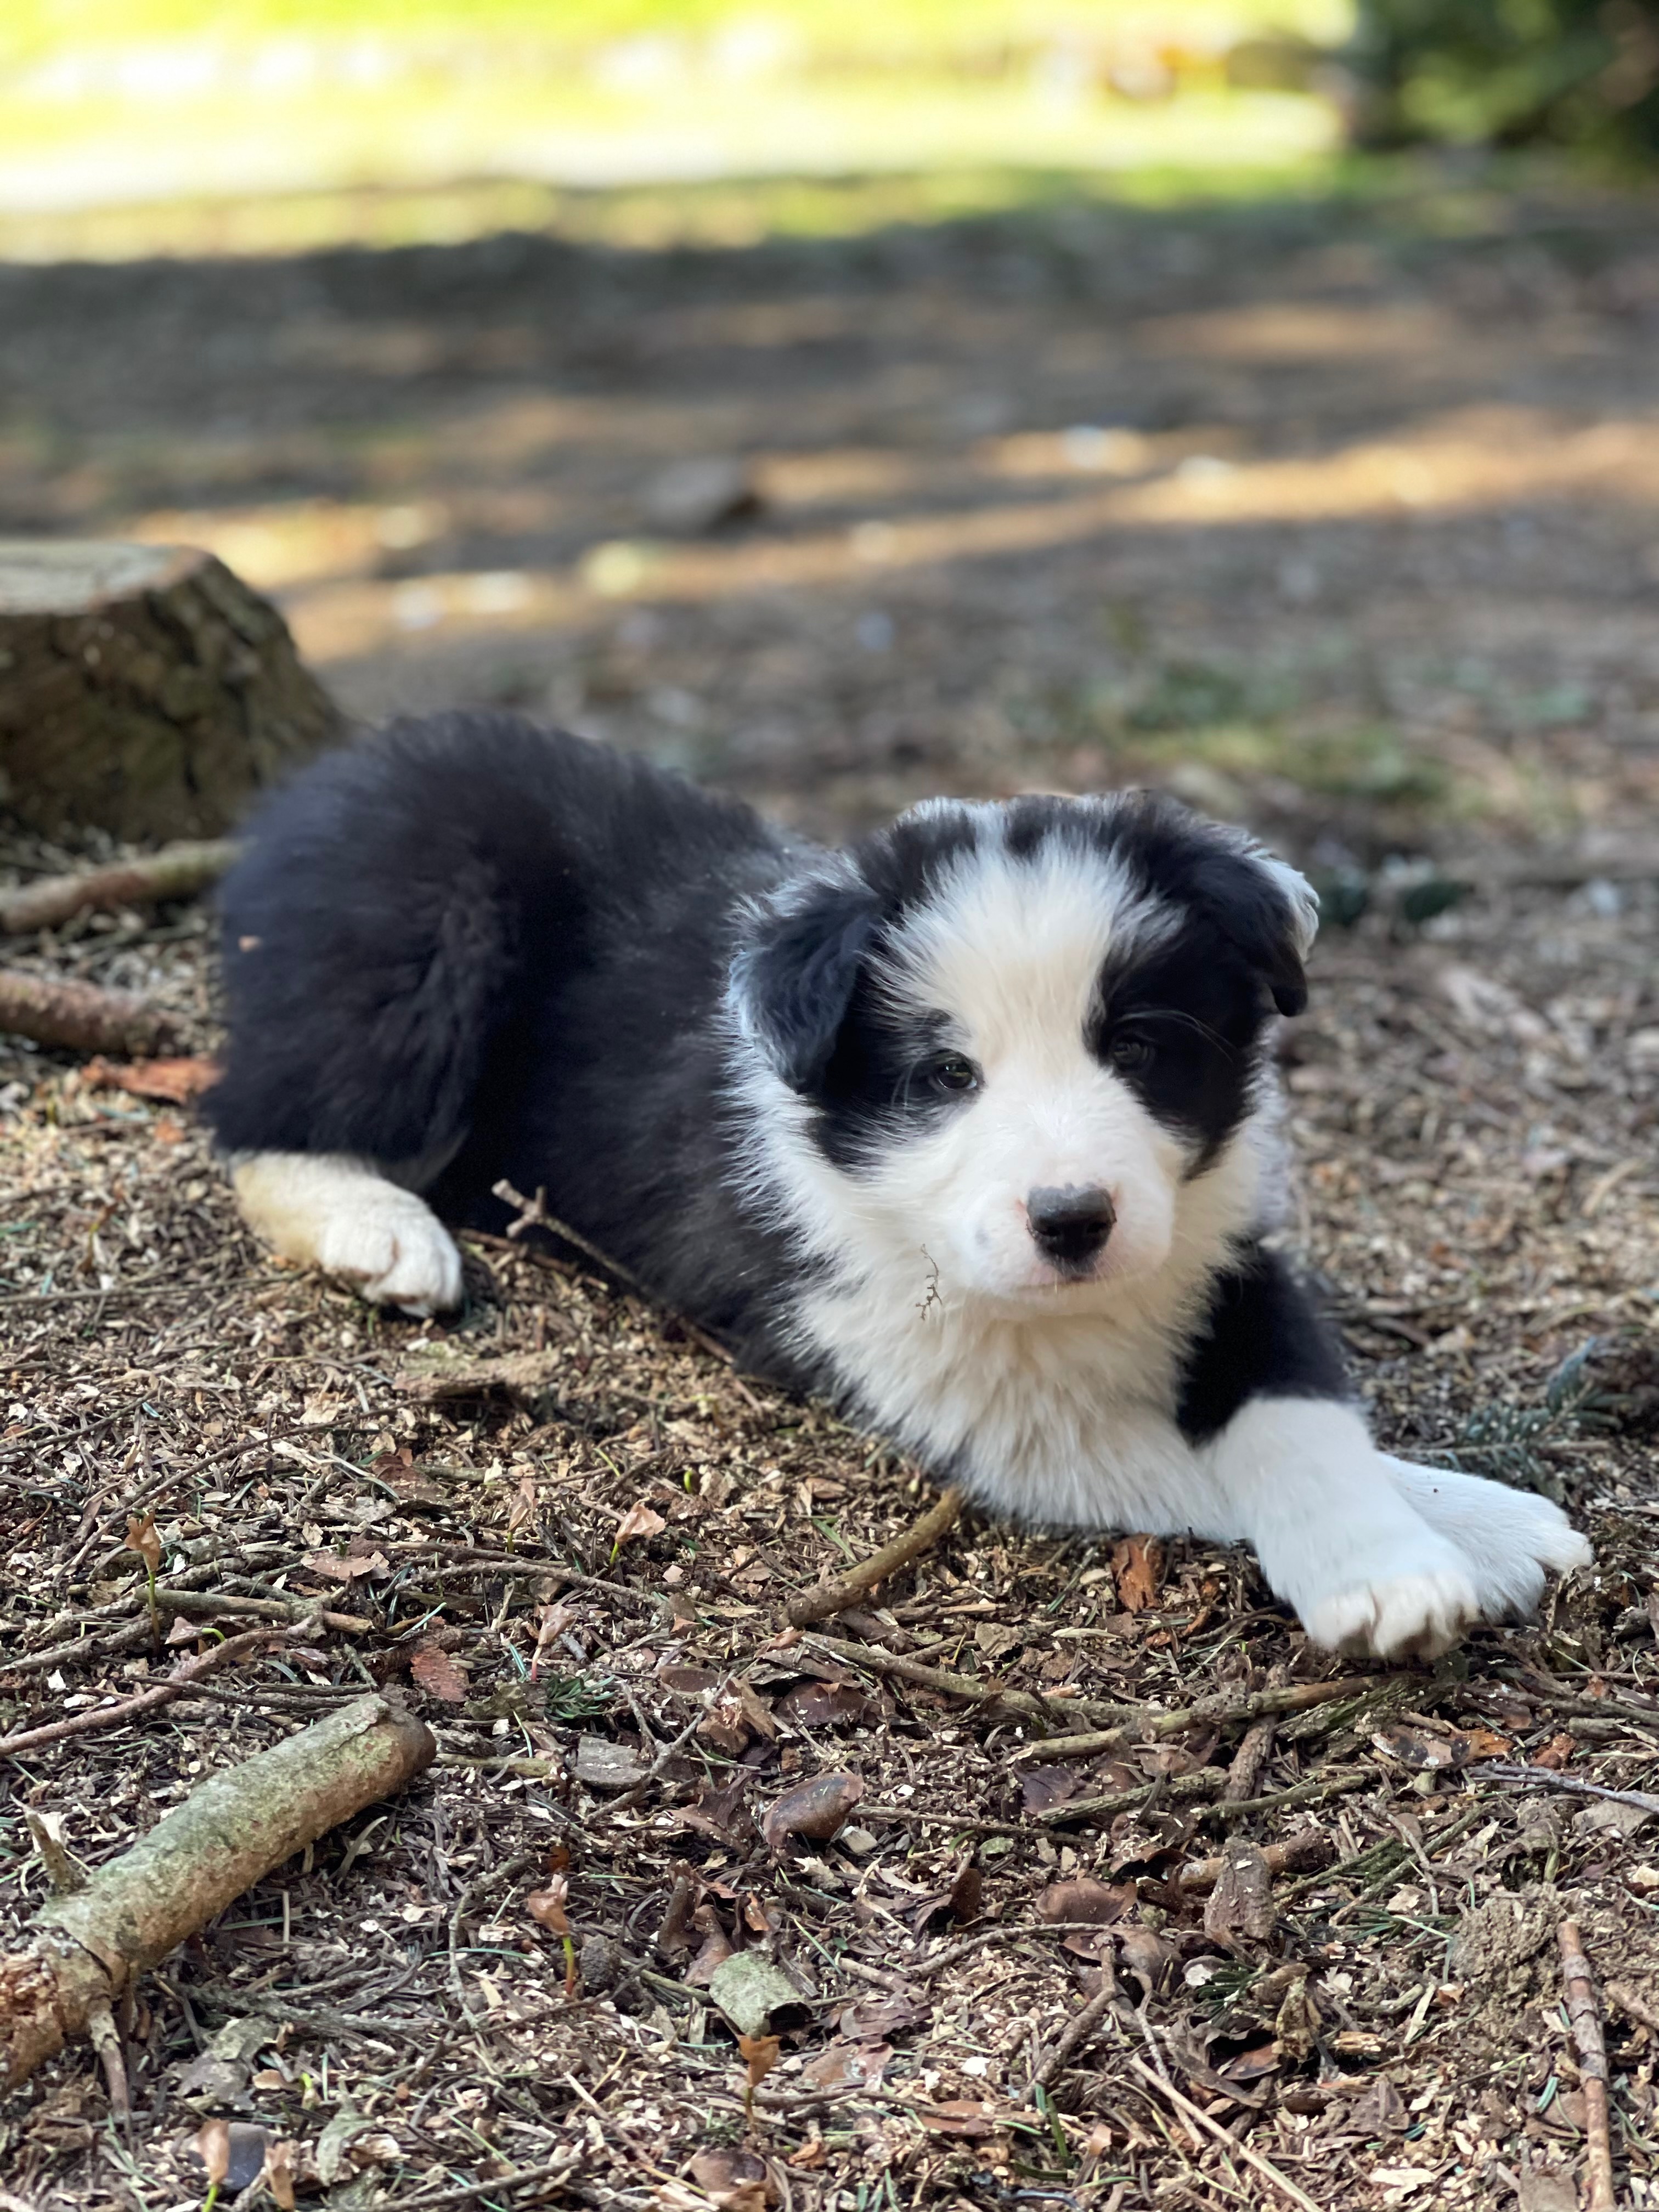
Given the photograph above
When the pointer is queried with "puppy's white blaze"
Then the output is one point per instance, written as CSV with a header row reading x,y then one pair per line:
x,y
1013,948
1010,951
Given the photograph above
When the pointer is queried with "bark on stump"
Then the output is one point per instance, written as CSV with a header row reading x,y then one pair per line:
x,y
144,690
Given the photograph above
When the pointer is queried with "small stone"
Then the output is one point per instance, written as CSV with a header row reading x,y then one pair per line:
x,y
694,496
602,1765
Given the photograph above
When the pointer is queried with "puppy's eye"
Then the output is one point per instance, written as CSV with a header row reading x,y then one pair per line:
x,y
953,1073
1128,1051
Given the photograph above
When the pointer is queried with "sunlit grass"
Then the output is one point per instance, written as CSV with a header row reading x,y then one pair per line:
x,y
433,119
30,28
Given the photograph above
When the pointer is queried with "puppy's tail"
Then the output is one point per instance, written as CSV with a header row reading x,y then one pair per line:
x,y
372,933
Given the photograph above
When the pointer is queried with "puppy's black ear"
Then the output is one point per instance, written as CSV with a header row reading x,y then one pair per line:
x,y
1269,912
795,972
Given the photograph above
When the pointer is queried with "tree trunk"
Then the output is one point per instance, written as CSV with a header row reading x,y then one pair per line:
x,y
144,690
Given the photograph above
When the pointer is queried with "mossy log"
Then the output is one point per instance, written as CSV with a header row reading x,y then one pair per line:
x,y
82,1952
144,690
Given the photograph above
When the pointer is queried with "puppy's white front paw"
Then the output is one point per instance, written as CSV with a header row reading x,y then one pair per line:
x,y
1509,1537
393,1249
1421,1611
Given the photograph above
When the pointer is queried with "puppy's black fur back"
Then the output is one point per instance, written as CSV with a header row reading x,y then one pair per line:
x,y
419,921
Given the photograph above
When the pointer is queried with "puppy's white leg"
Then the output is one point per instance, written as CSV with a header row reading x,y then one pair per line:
x,y
336,1214
1335,1536
1509,1537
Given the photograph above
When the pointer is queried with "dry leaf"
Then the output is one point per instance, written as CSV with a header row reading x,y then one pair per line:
x,y
816,1810
211,2144
438,1674
522,1508
175,1081
278,2173
142,1537
350,1569
958,2115
546,1906
872,2020
557,1617
732,2180
842,2065
1138,1572
723,1813
1040,1787
639,1521
761,2054
824,1704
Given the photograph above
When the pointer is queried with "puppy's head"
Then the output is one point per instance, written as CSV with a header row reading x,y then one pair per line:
x,y
1012,1033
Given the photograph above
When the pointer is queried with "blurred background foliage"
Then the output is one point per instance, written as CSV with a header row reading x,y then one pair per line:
x,y
1580,73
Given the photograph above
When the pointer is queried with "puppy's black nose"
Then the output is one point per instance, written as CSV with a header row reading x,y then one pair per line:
x,y
1071,1225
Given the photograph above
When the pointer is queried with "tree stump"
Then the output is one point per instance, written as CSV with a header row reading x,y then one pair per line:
x,y
144,690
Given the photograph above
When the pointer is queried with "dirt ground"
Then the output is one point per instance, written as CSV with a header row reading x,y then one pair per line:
x,y
1341,517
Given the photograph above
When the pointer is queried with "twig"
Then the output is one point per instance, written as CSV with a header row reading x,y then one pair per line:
x,y
76,1017
1586,2022
1183,1789
1630,2003
105,2039
533,1214
1286,1801
1264,2166
508,1870
555,2170
635,1790
176,872
1048,1712
1499,1769
824,1599
126,1709
1075,2032
1205,1713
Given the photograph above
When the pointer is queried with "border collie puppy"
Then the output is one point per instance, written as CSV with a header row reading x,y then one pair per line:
x,y
971,1127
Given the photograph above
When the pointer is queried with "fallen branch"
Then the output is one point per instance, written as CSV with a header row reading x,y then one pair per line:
x,y
1205,1713
824,1599
76,1017
1586,2023
176,872
126,1709
85,1952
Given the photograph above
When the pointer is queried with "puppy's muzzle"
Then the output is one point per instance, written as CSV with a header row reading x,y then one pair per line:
x,y
1070,1226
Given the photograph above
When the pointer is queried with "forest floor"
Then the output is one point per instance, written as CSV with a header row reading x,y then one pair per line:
x,y
1339,516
